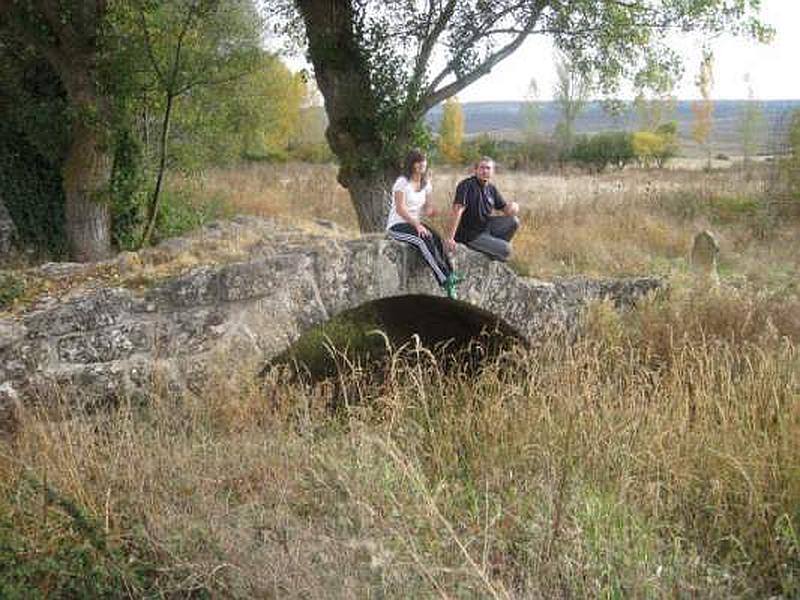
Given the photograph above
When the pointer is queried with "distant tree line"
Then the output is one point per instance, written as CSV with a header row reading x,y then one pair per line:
x,y
652,144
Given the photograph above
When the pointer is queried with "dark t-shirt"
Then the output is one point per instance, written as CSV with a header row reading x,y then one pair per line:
x,y
478,201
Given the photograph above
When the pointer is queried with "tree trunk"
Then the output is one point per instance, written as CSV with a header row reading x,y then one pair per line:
x,y
86,170
371,197
368,155
86,174
155,200
73,47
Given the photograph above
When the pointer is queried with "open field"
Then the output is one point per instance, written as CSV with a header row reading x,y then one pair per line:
x,y
657,457
310,191
635,221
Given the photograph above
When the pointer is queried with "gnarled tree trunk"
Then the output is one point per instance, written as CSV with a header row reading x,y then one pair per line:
x,y
69,36
368,157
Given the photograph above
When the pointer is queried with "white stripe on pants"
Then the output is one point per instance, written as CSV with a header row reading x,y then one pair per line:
x,y
438,264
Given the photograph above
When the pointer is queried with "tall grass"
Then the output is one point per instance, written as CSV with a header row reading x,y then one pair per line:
x,y
616,223
650,459
658,456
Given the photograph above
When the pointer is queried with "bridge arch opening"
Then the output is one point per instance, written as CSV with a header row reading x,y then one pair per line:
x,y
456,333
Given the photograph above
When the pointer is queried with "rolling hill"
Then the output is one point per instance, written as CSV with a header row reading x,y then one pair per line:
x,y
504,120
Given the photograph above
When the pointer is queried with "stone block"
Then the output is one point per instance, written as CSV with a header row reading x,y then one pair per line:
x,y
190,331
244,281
106,345
94,310
198,287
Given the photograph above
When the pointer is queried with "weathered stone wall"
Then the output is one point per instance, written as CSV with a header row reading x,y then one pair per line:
x,y
110,339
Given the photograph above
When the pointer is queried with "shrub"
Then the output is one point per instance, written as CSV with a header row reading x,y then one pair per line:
x,y
483,145
179,214
603,149
33,194
654,147
538,152
312,152
128,191
791,165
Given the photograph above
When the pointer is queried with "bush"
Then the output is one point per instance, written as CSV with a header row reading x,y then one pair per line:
x,y
603,149
128,191
12,287
179,214
312,153
33,194
791,165
537,152
483,145
655,147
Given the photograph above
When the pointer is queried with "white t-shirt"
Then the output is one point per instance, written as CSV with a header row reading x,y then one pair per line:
x,y
414,200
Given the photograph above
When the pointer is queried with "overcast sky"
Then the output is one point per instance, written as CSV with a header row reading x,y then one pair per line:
x,y
773,68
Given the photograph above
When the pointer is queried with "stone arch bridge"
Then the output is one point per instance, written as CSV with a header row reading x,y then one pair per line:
x,y
241,292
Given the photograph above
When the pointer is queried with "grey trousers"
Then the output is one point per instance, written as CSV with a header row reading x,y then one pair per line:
x,y
496,240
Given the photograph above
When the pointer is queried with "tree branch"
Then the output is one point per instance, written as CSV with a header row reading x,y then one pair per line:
x,y
149,44
211,81
429,43
478,34
433,96
179,47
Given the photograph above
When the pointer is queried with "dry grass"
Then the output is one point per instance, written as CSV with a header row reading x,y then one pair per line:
x,y
658,457
631,222
311,192
648,460
293,191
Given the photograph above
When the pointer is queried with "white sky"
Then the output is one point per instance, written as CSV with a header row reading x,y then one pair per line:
x,y
773,68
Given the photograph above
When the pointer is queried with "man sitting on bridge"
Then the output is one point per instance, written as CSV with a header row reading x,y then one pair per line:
x,y
472,220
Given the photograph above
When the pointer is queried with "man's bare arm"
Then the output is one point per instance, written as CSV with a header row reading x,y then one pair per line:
x,y
455,218
511,209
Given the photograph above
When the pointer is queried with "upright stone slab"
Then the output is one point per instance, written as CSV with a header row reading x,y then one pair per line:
x,y
705,252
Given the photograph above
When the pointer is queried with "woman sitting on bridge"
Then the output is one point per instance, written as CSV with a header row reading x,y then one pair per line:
x,y
411,199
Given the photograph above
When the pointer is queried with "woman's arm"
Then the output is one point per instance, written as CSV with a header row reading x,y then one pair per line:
x,y
428,209
400,207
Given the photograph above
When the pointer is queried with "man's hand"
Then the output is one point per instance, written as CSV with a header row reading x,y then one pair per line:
x,y
422,231
512,209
